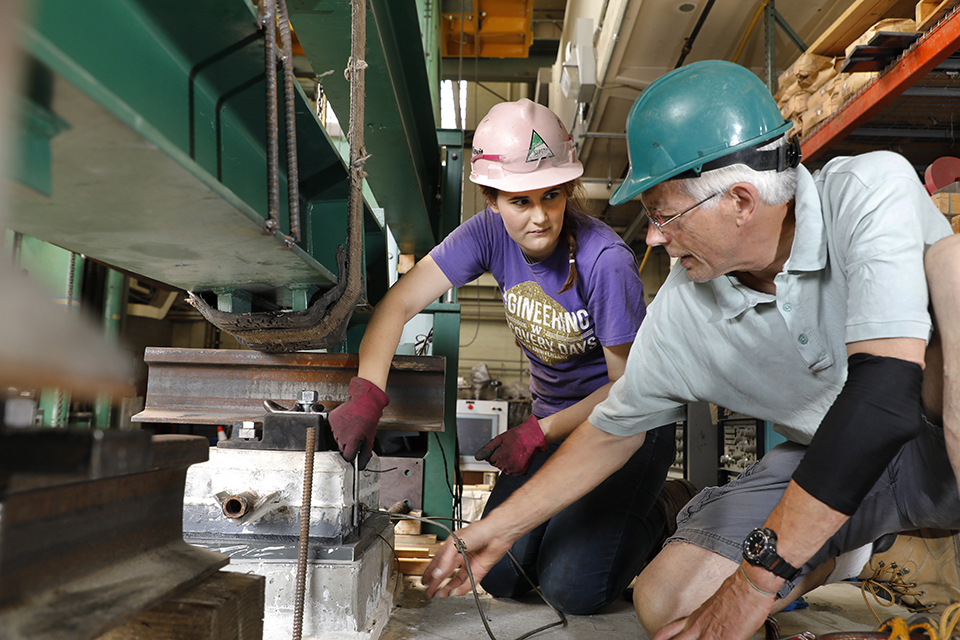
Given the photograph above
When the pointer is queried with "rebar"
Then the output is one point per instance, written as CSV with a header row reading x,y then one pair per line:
x,y
290,122
268,18
304,542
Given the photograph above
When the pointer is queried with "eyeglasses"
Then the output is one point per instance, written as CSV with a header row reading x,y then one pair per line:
x,y
657,220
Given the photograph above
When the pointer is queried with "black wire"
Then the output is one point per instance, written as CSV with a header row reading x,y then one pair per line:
x,y
395,557
458,494
422,342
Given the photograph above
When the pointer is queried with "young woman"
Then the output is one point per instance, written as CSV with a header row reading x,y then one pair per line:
x,y
574,299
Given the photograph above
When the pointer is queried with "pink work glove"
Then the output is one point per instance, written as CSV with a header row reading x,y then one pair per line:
x,y
513,451
354,423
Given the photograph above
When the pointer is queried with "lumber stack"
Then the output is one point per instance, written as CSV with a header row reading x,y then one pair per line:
x,y
414,552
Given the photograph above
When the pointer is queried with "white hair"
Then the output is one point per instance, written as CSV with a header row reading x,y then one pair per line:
x,y
774,187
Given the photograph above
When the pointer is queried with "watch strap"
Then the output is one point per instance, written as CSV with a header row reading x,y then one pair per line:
x,y
770,559
780,567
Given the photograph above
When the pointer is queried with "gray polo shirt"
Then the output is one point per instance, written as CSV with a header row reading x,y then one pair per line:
x,y
855,272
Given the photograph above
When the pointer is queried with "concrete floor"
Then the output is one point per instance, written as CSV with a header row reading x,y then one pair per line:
x,y
833,608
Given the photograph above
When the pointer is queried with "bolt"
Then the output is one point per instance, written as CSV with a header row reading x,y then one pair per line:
x,y
308,397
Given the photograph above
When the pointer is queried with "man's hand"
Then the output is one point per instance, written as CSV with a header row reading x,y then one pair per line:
x,y
734,612
484,548
512,451
354,423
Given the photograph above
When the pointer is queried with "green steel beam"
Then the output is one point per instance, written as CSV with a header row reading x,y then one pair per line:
x,y
165,173
399,132
438,470
428,11
451,184
438,464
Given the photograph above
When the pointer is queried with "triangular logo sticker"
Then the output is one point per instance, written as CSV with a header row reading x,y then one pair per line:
x,y
538,149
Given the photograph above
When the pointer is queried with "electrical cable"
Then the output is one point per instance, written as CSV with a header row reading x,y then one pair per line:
x,y
396,558
462,549
422,342
458,481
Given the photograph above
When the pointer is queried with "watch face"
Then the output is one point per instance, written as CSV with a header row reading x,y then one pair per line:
x,y
755,544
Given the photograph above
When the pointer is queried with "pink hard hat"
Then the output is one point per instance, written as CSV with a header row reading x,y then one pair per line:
x,y
520,146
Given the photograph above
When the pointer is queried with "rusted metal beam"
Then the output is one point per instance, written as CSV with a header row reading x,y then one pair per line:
x,y
223,386
930,50
78,556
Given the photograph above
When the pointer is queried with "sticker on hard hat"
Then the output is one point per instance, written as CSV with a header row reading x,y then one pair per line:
x,y
538,149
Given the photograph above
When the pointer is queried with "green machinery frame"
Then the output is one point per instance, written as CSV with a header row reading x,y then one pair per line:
x,y
187,79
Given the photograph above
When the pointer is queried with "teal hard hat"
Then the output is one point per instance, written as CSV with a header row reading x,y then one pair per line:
x,y
694,115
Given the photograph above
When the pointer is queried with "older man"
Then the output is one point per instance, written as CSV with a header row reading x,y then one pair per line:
x,y
799,299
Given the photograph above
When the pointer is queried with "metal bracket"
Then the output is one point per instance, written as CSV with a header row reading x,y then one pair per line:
x,y
283,429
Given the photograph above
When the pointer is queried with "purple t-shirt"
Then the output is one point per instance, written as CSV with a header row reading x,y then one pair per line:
x,y
561,333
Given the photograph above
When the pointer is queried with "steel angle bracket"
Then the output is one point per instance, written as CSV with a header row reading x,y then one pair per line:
x,y
321,326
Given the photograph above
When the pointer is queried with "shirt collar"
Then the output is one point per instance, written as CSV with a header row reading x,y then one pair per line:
x,y
733,297
808,253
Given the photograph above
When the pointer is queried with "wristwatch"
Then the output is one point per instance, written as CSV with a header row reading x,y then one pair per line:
x,y
760,549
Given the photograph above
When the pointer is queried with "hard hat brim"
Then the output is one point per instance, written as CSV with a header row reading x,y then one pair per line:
x,y
541,179
634,185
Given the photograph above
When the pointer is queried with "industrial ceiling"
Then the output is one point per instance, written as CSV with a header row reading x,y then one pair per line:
x,y
637,41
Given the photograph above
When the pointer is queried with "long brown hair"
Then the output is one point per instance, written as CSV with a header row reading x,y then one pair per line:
x,y
572,216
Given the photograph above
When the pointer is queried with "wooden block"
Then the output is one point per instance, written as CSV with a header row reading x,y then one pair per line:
x,y
924,9
413,566
857,19
424,540
955,223
225,606
408,527
947,203
417,551
928,12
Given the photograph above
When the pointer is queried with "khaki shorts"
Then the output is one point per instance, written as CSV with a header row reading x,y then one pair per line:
x,y
917,490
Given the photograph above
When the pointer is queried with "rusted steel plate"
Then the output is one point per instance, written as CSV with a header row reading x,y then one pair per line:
x,y
222,386
401,479
78,556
